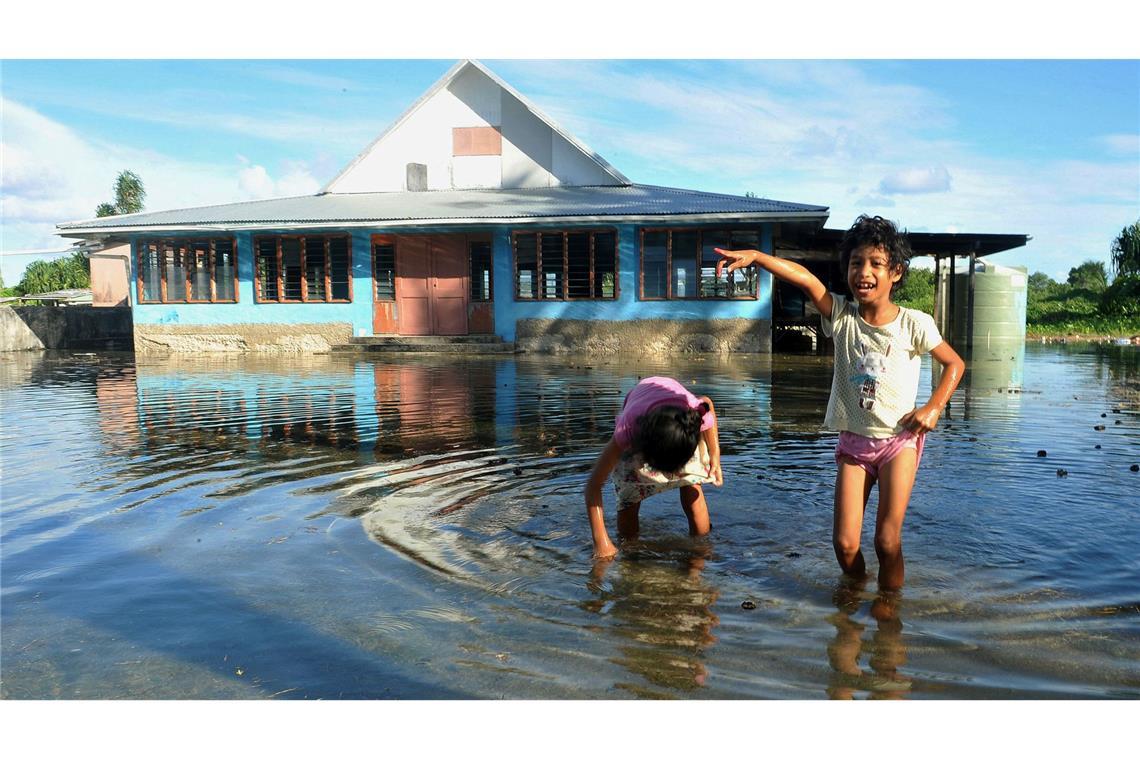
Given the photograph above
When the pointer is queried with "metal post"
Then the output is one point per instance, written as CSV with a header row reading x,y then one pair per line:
x,y
951,299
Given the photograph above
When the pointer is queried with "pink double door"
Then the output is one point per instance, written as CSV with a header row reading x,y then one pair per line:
x,y
432,284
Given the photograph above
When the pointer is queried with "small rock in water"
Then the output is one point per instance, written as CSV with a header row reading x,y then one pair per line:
x,y
1061,473
759,477
1098,427
1102,414
518,471
792,555
1041,452
748,604
1118,422
1097,446
1135,468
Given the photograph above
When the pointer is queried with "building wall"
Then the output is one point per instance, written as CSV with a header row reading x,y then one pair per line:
x,y
628,307
707,326
110,273
533,154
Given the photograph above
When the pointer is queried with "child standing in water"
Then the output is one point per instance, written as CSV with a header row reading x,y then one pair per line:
x,y
878,346
665,438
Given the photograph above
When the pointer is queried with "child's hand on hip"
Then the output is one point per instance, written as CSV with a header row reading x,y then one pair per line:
x,y
921,420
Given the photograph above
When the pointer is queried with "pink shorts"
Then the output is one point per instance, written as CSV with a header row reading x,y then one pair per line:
x,y
873,453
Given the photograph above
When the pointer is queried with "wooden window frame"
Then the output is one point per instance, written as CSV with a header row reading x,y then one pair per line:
x,y
490,270
304,284
565,233
755,296
384,240
183,246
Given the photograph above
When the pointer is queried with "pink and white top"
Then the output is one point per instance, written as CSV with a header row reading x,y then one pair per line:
x,y
649,393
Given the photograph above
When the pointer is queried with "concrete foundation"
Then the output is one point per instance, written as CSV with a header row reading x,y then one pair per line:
x,y
644,336
244,338
34,328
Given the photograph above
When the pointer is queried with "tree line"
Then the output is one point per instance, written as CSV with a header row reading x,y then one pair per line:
x,y
74,272
1089,301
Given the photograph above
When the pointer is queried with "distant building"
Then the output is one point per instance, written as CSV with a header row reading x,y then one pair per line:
x,y
472,214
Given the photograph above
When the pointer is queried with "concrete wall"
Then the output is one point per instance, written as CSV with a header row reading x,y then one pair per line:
x,y
645,336
241,338
31,328
110,273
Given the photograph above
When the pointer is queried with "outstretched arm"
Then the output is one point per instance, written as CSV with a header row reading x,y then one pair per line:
x,y
712,442
788,271
925,418
604,465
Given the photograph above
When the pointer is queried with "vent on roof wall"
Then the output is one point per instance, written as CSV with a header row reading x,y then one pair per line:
x,y
416,178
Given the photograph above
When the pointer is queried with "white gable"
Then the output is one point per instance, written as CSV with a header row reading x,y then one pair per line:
x,y
535,152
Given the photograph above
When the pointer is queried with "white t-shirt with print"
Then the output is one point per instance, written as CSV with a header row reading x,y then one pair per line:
x,y
876,368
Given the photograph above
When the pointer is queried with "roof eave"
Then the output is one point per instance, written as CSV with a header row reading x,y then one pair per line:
x,y
728,216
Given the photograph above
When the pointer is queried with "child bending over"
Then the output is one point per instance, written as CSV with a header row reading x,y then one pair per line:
x,y
878,346
664,438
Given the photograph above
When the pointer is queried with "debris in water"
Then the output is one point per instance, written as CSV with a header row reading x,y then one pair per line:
x,y
1135,468
1062,473
1098,427
1041,452
748,604
792,555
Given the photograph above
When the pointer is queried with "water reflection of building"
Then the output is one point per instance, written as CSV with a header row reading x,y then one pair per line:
x,y
434,407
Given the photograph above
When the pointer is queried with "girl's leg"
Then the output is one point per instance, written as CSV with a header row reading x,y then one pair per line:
x,y
896,479
627,523
696,510
852,487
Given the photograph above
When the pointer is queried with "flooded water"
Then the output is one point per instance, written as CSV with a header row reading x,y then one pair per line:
x,y
327,527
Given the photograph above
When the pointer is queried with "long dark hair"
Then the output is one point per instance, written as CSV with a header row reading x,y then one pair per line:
x,y
878,232
668,435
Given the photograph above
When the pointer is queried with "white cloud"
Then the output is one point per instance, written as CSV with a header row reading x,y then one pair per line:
x,y
933,180
256,183
51,174
1121,144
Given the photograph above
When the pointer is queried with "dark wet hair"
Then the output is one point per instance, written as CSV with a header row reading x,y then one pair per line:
x,y
668,435
878,232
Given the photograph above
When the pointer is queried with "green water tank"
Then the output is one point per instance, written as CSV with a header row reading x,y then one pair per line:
x,y
996,354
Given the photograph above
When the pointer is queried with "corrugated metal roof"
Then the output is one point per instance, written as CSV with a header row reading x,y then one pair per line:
x,y
621,203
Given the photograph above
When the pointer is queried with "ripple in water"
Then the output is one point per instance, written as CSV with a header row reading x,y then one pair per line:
x,y
416,528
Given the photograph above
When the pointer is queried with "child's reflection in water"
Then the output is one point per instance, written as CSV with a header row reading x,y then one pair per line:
x,y
658,600
886,650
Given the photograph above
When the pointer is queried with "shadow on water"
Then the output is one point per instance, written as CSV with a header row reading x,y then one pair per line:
x,y
414,528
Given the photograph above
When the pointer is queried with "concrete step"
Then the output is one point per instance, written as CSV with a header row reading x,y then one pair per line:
x,y
438,344
423,340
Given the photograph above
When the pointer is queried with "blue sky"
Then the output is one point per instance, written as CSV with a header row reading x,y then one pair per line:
x,y
1048,148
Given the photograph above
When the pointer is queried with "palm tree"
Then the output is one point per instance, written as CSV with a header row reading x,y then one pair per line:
x,y
129,196
1126,250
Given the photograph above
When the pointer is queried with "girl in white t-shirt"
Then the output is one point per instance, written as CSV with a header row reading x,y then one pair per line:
x,y
878,349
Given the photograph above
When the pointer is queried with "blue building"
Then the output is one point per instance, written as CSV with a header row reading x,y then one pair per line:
x,y
473,214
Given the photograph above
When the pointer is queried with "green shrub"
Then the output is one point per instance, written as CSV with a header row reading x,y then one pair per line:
x,y
1122,297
